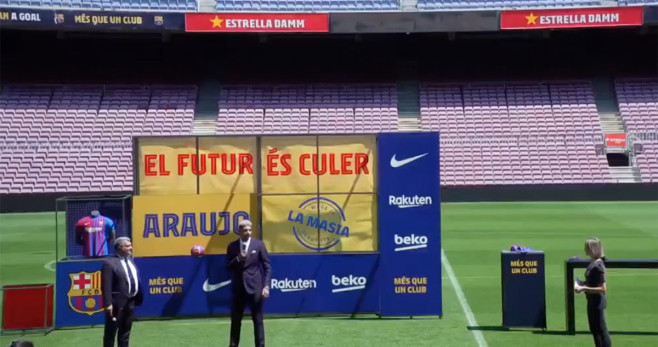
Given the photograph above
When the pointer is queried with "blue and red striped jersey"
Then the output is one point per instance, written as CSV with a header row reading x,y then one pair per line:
x,y
95,234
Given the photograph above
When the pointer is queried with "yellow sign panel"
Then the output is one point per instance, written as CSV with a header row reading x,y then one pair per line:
x,y
228,165
323,164
284,167
325,223
347,164
172,225
159,163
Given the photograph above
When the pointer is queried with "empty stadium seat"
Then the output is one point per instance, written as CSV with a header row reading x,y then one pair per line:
x,y
76,139
525,133
303,109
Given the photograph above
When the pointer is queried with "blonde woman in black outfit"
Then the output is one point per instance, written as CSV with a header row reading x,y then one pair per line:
x,y
595,290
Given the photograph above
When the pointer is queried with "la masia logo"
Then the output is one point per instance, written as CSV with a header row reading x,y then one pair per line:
x,y
319,223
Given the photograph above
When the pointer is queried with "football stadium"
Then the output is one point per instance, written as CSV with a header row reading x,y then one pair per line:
x,y
407,172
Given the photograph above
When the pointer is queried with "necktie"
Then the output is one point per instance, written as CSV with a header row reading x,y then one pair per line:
x,y
131,278
244,247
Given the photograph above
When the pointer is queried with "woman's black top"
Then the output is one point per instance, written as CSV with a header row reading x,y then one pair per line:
x,y
595,277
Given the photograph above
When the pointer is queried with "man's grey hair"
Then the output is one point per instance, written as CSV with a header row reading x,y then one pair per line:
x,y
120,240
244,223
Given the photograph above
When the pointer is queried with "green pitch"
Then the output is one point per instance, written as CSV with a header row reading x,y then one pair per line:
x,y
473,235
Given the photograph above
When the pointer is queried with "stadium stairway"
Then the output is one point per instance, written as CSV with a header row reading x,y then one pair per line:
x,y
607,105
409,5
408,106
626,174
207,107
207,6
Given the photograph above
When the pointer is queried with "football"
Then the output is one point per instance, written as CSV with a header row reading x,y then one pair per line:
x,y
197,251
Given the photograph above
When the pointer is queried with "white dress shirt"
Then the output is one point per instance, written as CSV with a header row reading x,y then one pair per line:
x,y
125,261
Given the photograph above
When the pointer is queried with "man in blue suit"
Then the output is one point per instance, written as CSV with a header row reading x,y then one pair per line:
x,y
249,264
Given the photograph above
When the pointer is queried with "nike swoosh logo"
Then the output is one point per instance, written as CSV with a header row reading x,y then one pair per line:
x,y
207,287
398,163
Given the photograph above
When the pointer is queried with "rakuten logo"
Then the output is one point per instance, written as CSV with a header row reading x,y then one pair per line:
x,y
410,242
404,201
348,283
288,285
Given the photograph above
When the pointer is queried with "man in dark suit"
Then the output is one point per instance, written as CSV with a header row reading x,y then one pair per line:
x,y
249,264
122,290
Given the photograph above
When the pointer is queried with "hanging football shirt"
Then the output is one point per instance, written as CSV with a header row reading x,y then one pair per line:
x,y
94,232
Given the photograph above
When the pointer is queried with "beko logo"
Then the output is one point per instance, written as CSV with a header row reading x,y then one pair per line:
x,y
408,243
347,283
404,201
288,285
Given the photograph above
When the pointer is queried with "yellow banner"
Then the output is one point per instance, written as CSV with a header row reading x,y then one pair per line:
x,y
323,164
326,223
229,164
280,161
347,164
159,169
172,225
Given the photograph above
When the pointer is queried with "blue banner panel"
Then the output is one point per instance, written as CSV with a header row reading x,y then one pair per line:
x,y
300,284
524,289
184,285
91,20
78,295
409,224
329,283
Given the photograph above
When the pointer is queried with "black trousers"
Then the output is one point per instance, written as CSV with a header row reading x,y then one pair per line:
x,y
255,302
124,322
597,324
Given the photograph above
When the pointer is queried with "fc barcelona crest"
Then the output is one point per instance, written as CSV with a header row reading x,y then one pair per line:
x,y
85,294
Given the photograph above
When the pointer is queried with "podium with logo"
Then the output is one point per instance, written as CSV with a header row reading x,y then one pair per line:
x,y
523,289
351,223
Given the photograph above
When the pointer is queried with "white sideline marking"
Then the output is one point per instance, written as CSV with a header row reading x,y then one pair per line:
x,y
49,266
462,300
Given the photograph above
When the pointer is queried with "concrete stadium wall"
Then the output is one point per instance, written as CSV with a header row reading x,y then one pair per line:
x,y
14,203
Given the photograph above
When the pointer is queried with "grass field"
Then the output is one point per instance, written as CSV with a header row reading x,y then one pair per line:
x,y
473,235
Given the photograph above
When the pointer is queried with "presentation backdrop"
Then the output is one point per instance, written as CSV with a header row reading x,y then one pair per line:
x,y
172,225
312,199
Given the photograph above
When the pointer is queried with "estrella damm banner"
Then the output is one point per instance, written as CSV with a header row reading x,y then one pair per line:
x,y
318,164
320,223
172,225
229,165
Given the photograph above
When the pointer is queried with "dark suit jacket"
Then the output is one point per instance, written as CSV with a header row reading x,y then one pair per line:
x,y
115,285
253,273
